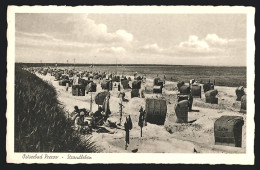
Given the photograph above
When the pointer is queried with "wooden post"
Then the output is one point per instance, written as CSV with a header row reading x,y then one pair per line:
x,y
67,86
90,102
120,111
125,145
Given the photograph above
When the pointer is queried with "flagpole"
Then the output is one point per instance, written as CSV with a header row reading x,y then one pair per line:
x,y
67,65
116,65
74,64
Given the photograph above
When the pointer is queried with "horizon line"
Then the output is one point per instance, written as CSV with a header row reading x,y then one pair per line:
x,y
89,64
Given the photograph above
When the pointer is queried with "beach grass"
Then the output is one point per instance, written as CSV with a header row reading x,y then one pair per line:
x,y
40,121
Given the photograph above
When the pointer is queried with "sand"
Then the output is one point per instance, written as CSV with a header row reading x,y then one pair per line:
x,y
168,138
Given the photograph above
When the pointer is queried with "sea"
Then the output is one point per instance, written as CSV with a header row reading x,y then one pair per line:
x,y
223,76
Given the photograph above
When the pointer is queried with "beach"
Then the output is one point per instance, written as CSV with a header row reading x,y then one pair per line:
x,y
194,137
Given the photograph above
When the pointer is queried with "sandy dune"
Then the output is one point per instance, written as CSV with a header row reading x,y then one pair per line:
x,y
170,138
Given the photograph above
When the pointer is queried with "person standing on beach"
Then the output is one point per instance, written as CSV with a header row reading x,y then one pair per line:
x,y
141,119
128,126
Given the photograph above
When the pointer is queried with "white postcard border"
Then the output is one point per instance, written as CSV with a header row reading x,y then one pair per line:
x,y
247,158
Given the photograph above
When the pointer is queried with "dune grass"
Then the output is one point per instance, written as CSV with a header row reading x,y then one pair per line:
x,y
40,121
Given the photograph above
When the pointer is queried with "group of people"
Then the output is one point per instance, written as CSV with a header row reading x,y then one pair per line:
x,y
84,120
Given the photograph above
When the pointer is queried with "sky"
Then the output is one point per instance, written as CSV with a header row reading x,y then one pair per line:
x,y
177,39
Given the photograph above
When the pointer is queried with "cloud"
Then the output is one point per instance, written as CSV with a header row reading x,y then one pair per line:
x,y
86,30
196,52
215,39
57,36
42,36
195,47
125,35
113,50
71,27
44,41
211,46
150,48
78,36
194,43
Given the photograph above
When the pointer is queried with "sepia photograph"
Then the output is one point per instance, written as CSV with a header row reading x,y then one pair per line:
x,y
121,84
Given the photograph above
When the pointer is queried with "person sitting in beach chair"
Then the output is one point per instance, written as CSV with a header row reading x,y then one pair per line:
x,y
98,117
